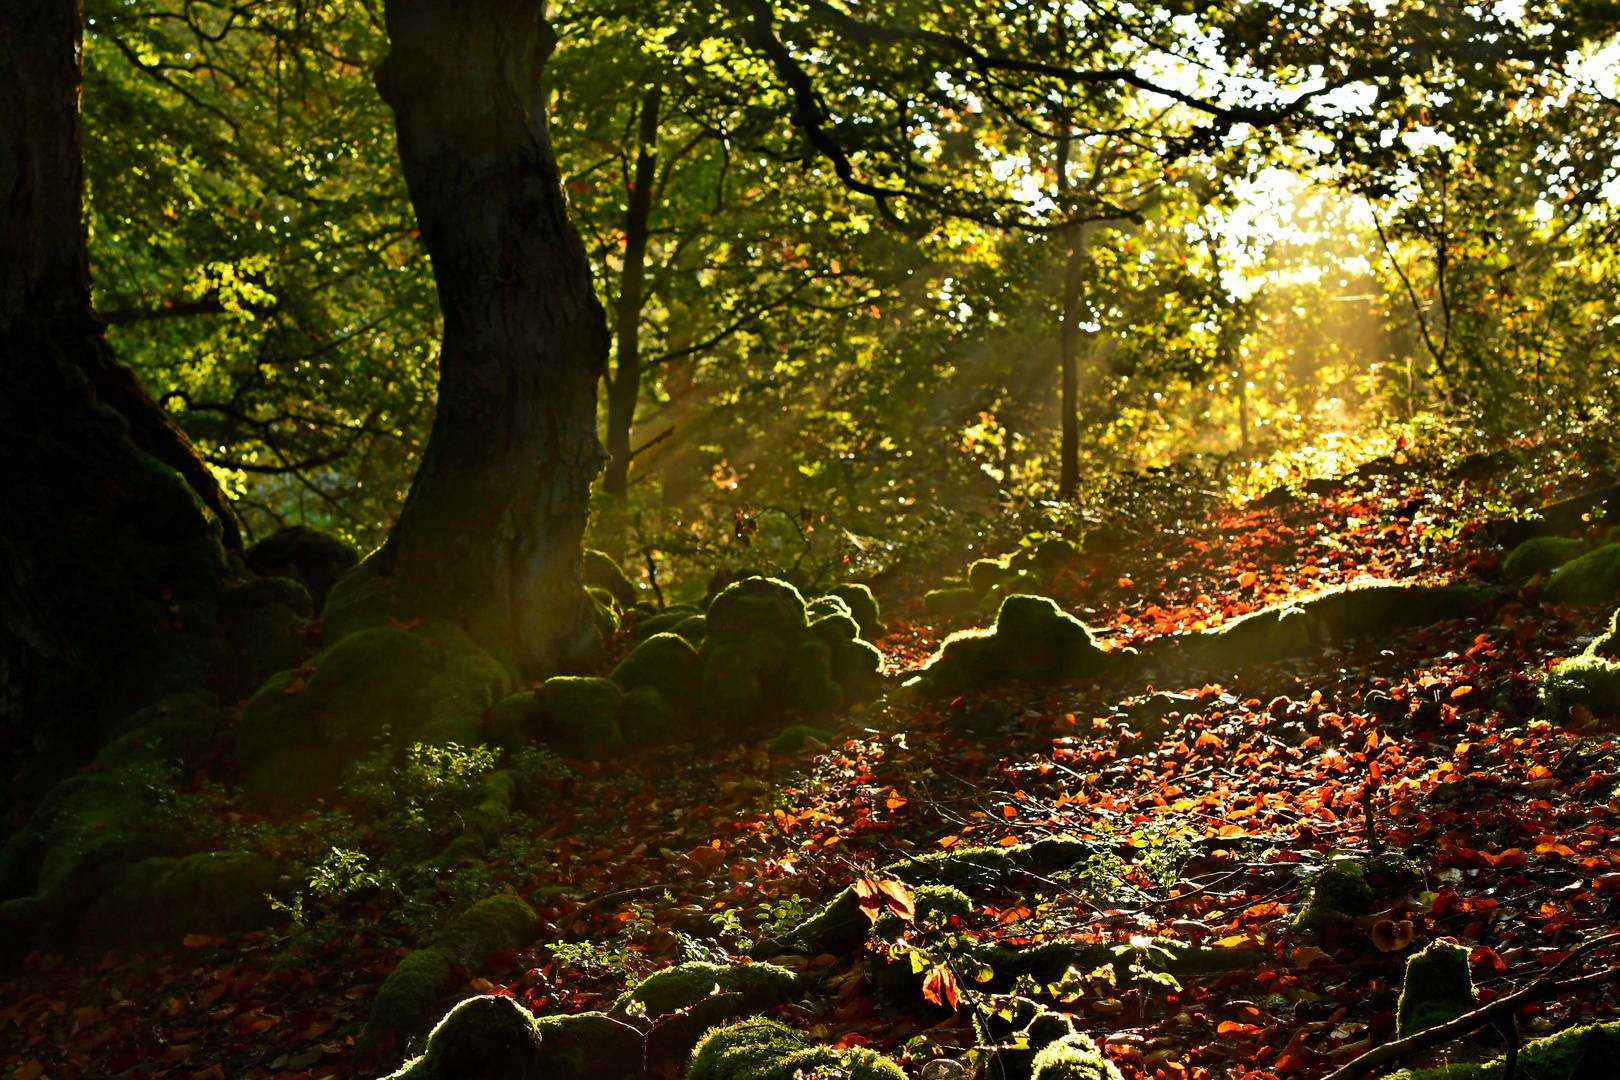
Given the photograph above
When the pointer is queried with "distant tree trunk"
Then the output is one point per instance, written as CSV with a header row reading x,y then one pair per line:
x,y
109,563
491,529
624,387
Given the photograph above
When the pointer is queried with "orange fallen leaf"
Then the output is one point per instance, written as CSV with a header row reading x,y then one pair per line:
x,y
868,897
1247,578
705,858
195,941
897,898
940,987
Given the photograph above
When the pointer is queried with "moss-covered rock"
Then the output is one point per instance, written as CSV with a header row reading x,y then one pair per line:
x,y
982,574
822,606
949,601
582,716
265,624
588,1046
1592,578
163,899
409,994
934,904
766,1050
1303,626
668,664
1033,639
1588,680
815,692
429,683
1438,988
1587,1052
606,609
514,720
481,1037
863,606
314,558
646,718
1073,1057
664,621
792,738
1607,644
757,988
603,571
1541,554
1338,892
1021,582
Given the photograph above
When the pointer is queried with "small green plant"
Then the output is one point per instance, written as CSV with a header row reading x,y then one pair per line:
x,y
588,957
539,764
342,871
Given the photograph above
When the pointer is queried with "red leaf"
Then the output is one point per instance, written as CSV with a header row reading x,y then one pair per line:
x,y
940,987
898,899
870,899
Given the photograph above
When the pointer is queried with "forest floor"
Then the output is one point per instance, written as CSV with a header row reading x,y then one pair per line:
x,y
1217,800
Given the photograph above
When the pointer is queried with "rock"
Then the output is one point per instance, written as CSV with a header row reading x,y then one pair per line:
x,y
480,1039
409,994
984,574
1033,639
863,607
793,737
694,628
264,623
1022,581
428,684
1540,554
664,621
1590,579
1586,1052
766,1050
668,664
751,655
581,717
1338,892
646,718
1589,680
314,558
605,610
163,899
756,988
815,692
952,601
587,1046
1073,1057
822,606
514,720
1438,988
603,571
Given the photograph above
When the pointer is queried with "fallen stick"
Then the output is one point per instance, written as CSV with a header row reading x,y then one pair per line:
x,y
1380,1058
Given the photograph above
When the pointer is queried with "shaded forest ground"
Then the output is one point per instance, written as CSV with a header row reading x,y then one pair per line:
x,y
1210,802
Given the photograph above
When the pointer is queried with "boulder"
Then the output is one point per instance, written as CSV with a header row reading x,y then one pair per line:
x,y
766,1050
1072,1057
1539,555
667,663
1585,1052
265,624
1589,680
482,1037
1592,578
645,717
949,601
581,717
863,606
1033,639
428,684
603,571
314,558
754,988
1438,988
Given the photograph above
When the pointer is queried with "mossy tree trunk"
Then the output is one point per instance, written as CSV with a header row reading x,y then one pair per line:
x,y
109,561
491,529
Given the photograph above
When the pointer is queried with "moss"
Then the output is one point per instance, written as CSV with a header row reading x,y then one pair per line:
x,y
179,728
1607,644
1018,583
264,624
792,738
605,610
765,1050
582,716
759,988
514,720
481,1037
982,574
603,572
1438,988
410,992
835,629
314,558
1590,579
1073,1057
666,663
954,601
1339,889
588,1046
163,899
822,606
1300,627
645,717
1540,554
664,621
1587,1052
863,606
1054,552
934,904
1588,680
815,691
1033,639
426,684
694,628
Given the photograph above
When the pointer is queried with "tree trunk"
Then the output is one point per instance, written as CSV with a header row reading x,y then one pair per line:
x,y
624,388
491,529
109,563
1068,345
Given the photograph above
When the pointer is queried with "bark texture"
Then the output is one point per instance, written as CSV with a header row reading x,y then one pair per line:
x,y
110,562
490,532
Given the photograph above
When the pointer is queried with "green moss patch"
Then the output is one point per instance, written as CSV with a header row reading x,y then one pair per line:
x,y
1592,578
1588,1052
1073,1057
1541,554
949,601
863,607
1438,988
581,717
429,684
757,988
766,1050
666,663
314,558
603,571
1033,639
1339,891
480,1037
1588,680
409,994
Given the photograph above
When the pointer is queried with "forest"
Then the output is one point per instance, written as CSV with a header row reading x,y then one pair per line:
x,y
809,539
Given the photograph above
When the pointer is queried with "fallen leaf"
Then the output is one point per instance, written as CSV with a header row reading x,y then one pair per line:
x,y
940,987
